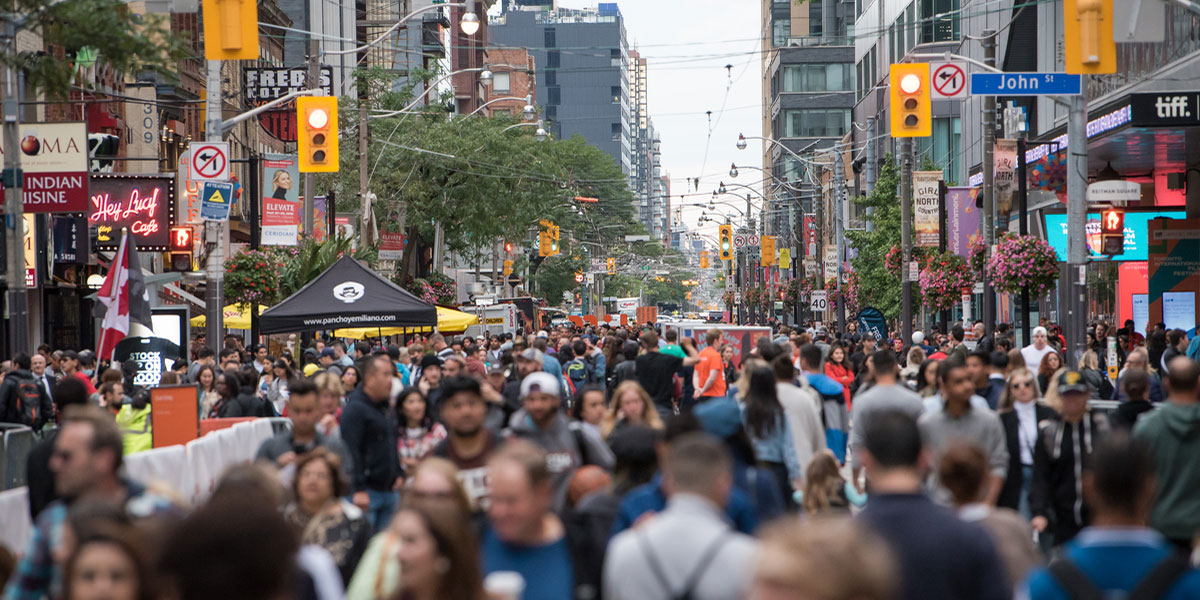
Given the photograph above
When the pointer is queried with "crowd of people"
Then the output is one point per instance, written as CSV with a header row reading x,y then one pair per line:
x,y
630,462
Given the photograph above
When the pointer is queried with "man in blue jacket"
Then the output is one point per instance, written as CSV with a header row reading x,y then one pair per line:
x,y
369,430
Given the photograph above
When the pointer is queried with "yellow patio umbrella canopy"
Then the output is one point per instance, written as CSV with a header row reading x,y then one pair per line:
x,y
448,321
234,317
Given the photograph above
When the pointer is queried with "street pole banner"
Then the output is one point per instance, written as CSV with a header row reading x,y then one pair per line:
x,y
831,262
925,207
1005,158
962,220
281,200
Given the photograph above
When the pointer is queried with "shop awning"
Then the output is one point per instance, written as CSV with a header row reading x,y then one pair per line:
x,y
348,295
448,321
234,318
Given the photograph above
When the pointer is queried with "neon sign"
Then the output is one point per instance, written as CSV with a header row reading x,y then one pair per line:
x,y
142,204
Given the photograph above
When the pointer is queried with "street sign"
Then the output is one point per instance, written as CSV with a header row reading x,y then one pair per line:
x,y
818,301
753,240
1026,84
739,241
949,80
637,238
1114,190
216,199
210,161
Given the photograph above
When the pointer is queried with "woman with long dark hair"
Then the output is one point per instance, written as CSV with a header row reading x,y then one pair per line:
x,y
927,378
206,381
438,553
277,392
768,429
837,367
227,390
418,432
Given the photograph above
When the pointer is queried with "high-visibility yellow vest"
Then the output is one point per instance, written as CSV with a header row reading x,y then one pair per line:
x,y
135,427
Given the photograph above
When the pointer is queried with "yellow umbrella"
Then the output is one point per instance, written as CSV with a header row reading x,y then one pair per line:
x,y
234,317
449,321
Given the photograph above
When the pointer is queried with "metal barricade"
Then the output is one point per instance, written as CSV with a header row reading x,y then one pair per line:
x,y
16,442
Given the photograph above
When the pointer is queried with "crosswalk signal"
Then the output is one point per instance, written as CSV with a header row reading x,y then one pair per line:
x,y
726,239
317,143
508,268
179,257
910,106
1089,47
612,266
1112,231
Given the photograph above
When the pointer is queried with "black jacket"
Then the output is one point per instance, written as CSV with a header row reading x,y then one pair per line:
x,y
10,413
369,430
992,392
1057,493
245,404
1010,494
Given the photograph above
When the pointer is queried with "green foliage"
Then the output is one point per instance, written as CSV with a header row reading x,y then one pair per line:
x,y
304,263
76,33
879,287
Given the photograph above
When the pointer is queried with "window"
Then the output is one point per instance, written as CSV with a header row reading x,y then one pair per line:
x,y
832,122
817,78
910,28
615,91
616,132
816,19
944,146
551,78
614,57
501,83
549,37
781,30
551,112
942,28
552,59
553,95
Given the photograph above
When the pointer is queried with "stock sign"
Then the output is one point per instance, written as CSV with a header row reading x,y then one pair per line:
x,y
143,204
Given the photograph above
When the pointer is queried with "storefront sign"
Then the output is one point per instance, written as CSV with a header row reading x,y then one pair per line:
x,y
925,207
281,200
70,239
55,161
264,84
1165,109
1115,190
142,204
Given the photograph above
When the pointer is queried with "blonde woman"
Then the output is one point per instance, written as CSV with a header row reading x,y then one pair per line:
x,y
330,395
631,405
1021,411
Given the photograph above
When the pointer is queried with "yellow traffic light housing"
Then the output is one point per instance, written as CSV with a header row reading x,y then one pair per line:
x,y
508,268
768,250
230,29
1088,44
726,242
910,105
544,241
612,266
703,260
317,143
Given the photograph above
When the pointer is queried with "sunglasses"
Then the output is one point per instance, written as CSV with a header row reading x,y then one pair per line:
x,y
1022,384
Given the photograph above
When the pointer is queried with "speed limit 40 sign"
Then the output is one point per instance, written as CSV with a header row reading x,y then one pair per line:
x,y
818,301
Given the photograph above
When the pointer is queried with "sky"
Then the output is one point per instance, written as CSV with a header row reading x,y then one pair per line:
x,y
687,44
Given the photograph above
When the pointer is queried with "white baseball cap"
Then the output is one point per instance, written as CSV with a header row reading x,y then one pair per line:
x,y
540,381
918,337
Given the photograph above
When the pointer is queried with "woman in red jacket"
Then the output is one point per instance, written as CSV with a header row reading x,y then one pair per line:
x,y
838,368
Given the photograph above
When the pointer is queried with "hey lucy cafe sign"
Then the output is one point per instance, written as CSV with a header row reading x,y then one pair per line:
x,y
142,204
55,162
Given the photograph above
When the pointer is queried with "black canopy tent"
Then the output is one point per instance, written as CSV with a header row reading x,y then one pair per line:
x,y
347,294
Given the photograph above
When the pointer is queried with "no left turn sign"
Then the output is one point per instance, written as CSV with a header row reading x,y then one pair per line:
x,y
210,161
739,241
949,80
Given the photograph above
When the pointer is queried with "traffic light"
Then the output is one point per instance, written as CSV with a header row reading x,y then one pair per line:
x,y
1112,231
703,260
553,246
726,242
317,143
768,250
230,29
508,247
180,255
1088,44
612,266
910,107
544,244
508,268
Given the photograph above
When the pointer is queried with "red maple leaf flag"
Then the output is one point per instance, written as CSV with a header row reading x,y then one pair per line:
x,y
123,298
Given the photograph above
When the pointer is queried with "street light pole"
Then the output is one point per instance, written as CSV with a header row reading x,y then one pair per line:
x,y
906,189
214,292
989,189
17,317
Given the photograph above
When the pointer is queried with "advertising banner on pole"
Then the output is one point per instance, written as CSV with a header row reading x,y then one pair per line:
x,y
962,220
281,200
925,207
1005,180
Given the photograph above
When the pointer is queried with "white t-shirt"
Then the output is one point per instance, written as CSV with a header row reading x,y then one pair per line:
x,y
1033,357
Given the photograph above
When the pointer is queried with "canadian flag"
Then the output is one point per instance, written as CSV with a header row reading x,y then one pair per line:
x,y
123,298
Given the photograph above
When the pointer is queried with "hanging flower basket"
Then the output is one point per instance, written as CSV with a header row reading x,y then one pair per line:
x,y
252,277
943,280
1023,261
892,260
791,291
977,257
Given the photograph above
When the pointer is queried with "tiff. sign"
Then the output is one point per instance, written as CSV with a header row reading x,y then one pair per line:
x,y
1165,109
264,84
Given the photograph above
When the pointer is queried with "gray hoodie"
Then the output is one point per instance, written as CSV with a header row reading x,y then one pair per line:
x,y
1173,435
568,446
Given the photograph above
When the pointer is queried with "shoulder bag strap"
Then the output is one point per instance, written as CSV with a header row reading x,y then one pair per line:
x,y
1160,579
655,566
709,555
1073,581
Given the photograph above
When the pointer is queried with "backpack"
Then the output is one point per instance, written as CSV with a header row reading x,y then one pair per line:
x,y
1154,585
589,362
29,403
577,371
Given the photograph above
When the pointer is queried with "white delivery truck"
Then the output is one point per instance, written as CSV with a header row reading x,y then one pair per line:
x,y
496,319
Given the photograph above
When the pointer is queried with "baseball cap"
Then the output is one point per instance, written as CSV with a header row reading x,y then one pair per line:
x,y
309,369
327,352
720,417
532,354
539,382
430,360
543,334
918,337
1072,381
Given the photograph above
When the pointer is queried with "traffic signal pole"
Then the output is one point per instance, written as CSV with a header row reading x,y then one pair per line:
x,y
906,189
1077,170
16,299
989,176
214,292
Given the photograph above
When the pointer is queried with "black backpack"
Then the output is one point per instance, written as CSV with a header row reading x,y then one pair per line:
x,y
1153,586
29,403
